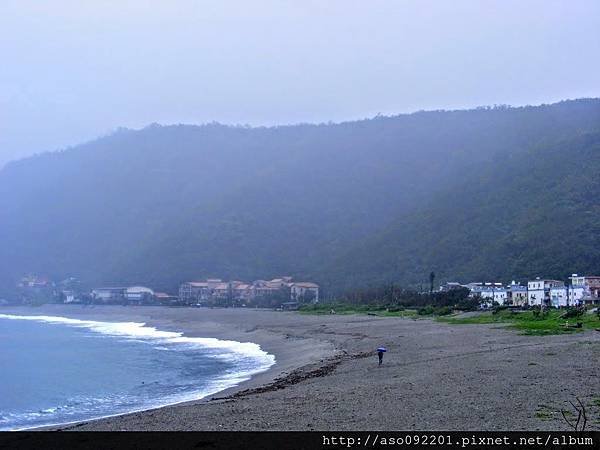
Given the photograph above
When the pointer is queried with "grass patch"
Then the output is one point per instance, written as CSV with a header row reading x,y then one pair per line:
x,y
543,415
343,309
544,412
528,323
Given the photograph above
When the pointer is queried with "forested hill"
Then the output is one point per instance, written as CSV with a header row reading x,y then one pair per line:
x,y
532,214
483,193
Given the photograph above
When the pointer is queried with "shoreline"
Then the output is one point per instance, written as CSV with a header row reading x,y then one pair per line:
x,y
295,355
435,376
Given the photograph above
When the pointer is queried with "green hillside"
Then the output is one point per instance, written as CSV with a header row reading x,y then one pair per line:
x,y
469,194
537,214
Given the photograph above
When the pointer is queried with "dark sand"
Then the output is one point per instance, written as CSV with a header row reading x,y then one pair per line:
x,y
434,376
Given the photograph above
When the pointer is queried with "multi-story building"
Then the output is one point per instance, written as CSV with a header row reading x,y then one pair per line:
x,y
109,294
593,283
488,293
584,289
204,292
139,294
500,295
193,292
166,299
559,296
517,294
304,291
538,291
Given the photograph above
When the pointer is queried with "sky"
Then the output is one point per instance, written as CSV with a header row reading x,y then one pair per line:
x,y
71,71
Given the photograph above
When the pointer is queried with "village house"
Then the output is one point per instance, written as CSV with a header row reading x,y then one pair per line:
x,y
304,291
547,292
450,285
488,293
243,291
109,294
482,291
279,283
538,291
35,282
69,296
559,296
517,294
500,295
593,283
584,290
204,292
139,294
193,292
166,299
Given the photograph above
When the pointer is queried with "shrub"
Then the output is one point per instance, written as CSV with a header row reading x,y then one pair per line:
x,y
572,313
425,310
468,304
395,308
443,311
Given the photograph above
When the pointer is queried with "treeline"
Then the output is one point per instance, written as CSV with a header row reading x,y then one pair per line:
x,y
393,298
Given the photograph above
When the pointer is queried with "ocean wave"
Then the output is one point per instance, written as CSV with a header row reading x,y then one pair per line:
x,y
248,359
143,332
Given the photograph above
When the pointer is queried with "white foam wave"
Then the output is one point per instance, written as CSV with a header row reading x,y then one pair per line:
x,y
250,359
140,331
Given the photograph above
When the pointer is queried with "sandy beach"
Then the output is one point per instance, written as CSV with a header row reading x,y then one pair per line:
x,y
434,376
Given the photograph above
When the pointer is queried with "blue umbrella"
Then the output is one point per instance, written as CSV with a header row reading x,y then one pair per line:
x,y
381,349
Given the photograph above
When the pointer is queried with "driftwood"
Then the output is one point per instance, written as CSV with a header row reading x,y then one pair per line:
x,y
581,414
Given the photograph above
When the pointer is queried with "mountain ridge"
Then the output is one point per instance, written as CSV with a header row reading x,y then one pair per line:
x,y
168,203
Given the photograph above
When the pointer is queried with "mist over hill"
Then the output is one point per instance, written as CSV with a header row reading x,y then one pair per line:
x,y
478,194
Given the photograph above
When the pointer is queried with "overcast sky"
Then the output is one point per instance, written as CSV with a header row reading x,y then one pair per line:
x,y
73,70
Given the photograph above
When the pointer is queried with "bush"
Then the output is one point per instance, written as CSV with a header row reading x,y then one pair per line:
x,y
538,314
438,311
443,311
572,313
425,311
395,308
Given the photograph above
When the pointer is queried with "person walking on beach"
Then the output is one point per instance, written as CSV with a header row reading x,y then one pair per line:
x,y
380,352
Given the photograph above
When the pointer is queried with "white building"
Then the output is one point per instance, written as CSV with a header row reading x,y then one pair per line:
x,y
559,296
500,295
517,294
538,291
69,296
139,294
450,285
584,289
109,294
488,293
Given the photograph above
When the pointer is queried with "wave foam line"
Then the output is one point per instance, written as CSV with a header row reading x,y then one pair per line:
x,y
139,330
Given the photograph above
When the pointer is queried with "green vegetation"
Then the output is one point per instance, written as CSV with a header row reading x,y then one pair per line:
x,y
544,412
527,322
391,301
470,195
341,308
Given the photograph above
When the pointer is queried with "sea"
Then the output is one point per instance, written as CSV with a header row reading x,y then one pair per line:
x,y
58,370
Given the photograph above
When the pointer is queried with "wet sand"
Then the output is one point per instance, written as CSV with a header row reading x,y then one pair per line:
x,y
434,375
